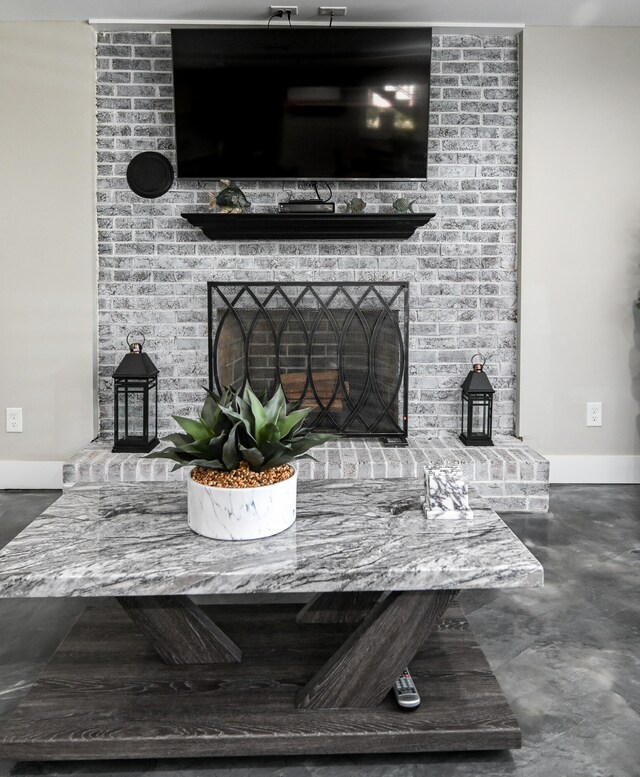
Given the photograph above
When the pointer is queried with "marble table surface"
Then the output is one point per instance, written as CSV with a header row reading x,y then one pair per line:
x,y
350,535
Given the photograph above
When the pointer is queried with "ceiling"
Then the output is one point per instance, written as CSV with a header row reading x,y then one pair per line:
x,y
442,13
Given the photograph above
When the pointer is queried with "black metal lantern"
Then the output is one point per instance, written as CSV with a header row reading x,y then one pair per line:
x,y
477,405
135,383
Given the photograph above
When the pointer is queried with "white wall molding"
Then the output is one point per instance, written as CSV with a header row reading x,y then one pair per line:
x,y
594,469
31,474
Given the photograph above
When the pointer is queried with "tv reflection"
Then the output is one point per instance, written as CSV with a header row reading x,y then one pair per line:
x,y
389,111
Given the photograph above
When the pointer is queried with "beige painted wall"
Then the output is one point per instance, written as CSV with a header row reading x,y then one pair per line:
x,y
47,238
580,241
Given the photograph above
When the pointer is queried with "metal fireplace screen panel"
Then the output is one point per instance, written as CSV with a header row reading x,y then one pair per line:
x,y
339,349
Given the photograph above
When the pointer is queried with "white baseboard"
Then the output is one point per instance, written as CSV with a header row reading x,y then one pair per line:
x,y
594,469
31,474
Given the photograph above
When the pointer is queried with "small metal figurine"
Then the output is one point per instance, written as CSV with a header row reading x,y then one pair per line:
x,y
403,205
231,199
355,205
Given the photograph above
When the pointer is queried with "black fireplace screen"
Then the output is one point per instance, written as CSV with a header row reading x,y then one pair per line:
x,y
340,349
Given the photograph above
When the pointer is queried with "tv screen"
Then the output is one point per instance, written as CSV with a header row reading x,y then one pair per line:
x,y
321,103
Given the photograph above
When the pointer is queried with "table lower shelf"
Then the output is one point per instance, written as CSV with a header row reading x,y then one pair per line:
x,y
107,694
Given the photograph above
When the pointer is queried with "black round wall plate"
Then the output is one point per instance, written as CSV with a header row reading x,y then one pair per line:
x,y
150,174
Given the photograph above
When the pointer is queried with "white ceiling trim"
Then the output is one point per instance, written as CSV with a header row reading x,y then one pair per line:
x,y
135,25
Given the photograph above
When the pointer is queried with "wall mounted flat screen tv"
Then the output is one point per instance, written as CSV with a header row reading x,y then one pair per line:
x,y
315,103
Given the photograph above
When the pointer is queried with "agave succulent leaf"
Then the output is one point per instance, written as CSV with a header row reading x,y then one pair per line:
x,y
242,406
275,407
297,431
178,439
170,453
275,454
230,456
270,433
226,398
207,463
260,396
292,422
196,429
216,398
215,445
236,417
252,456
302,445
198,448
259,414
210,413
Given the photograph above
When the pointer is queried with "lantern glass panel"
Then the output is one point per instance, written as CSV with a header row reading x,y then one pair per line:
x,y
153,409
465,412
121,409
480,418
132,414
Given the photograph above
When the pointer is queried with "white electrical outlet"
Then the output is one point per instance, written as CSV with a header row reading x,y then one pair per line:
x,y
292,9
14,419
594,413
332,10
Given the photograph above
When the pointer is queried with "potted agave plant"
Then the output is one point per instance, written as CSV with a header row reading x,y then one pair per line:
x,y
242,485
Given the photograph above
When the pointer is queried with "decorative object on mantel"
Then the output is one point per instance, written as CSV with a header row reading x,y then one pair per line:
x,y
315,204
242,487
477,405
355,205
447,493
231,199
135,383
403,205
149,175
309,226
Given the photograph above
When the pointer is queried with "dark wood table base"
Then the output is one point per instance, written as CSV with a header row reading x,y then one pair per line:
x,y
106,693
179,630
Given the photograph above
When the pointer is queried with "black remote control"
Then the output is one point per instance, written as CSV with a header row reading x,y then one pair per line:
x,y
406,692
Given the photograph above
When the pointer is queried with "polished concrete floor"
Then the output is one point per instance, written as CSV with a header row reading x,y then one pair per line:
x,y
567,655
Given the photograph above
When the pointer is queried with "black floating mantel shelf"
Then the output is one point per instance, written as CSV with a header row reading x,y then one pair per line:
x,y
308,226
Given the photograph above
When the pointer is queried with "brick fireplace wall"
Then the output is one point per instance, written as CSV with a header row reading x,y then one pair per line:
x,y
153,266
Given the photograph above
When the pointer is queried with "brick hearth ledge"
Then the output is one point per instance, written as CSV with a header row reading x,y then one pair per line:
x,y
511,476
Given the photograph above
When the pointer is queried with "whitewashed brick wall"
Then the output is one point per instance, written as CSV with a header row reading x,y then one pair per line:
x,y
153,266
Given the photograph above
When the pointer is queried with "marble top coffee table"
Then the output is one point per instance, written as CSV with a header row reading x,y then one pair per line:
x,y
160,675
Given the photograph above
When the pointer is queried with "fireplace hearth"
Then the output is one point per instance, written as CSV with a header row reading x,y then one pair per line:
x,y
340,349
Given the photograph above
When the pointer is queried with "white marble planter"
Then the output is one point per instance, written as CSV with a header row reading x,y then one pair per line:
x,y
241,513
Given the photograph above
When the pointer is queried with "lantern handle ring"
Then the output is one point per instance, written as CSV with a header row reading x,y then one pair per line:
x,y
473,359
132,344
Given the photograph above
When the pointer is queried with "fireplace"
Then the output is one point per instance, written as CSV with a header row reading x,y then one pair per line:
x,y
340,349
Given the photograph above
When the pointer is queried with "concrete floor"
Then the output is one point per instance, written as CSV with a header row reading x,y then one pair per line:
x,y
567,656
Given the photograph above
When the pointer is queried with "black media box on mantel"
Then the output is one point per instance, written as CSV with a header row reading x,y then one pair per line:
x,y
306,206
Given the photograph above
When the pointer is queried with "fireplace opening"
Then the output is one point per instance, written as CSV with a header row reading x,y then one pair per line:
x,y
340,349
